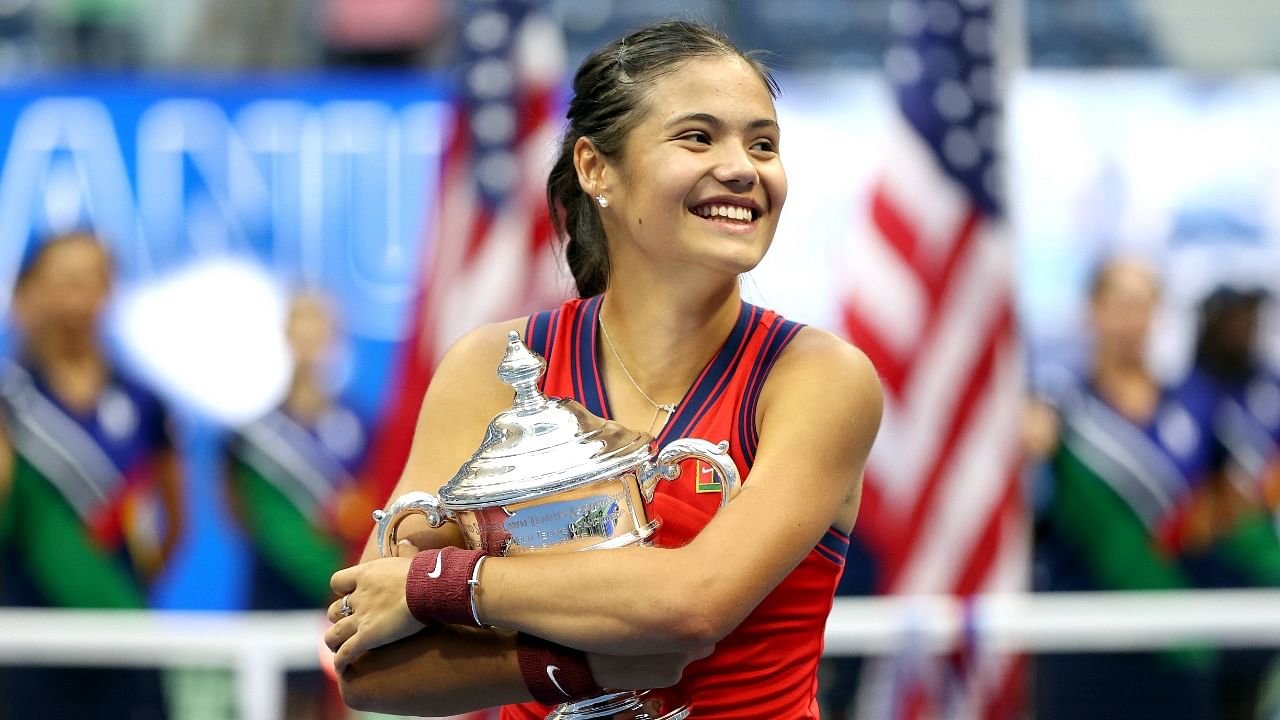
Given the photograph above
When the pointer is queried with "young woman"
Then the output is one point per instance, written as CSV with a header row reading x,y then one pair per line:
x,y
669,185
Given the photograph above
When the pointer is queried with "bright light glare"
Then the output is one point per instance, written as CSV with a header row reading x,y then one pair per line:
x,y
211,336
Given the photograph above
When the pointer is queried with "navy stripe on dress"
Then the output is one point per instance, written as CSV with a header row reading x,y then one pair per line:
x,y
834,546
587,385
593,380
575,346
786,331
539,331
715,377
746,409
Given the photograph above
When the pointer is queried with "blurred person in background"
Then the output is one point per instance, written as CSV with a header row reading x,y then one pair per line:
x,y
385,33
1126,460
1245,418
88,457
93,33
291,484
1247,421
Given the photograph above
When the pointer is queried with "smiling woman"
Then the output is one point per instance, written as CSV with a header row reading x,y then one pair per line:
x,y
719,161
669,185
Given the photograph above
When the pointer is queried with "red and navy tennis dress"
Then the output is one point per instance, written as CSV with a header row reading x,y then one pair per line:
x,y
767,667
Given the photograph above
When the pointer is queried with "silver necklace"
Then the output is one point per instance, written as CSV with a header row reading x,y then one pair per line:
x,y
668,408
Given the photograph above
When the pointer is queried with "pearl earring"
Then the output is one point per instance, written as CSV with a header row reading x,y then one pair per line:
x,y
602,201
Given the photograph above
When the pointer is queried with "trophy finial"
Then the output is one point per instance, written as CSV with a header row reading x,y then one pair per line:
x,y
520,368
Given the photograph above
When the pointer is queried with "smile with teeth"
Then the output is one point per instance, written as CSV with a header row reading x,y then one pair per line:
x,y
718,211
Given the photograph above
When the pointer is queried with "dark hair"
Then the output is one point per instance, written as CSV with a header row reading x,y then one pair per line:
x,y
1226,336
38,250
1103,274
609,94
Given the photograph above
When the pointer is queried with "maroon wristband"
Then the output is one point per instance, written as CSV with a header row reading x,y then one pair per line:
x,y
554,673
438,588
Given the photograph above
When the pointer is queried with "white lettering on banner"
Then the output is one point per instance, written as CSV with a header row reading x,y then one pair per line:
x,y
338,193
71,140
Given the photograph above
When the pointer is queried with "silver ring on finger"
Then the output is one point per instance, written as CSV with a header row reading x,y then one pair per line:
x,y
345,610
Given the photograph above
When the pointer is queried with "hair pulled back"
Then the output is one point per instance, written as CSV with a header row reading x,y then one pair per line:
x,y
609,94
38,250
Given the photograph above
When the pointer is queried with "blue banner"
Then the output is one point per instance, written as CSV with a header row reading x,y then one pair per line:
x,y
319,181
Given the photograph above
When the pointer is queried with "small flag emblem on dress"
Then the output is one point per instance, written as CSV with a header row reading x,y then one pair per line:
x,y
706,480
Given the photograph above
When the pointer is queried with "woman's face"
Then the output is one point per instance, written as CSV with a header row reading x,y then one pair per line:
x,y
700,180
309,330
1122,312
67,291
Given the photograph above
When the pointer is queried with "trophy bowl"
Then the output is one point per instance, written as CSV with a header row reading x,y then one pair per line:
x,y
550,476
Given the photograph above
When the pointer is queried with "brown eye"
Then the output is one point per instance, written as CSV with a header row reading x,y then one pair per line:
x,y
697,137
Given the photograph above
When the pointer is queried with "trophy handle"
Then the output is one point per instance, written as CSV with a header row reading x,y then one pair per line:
x,y
667,466
411,503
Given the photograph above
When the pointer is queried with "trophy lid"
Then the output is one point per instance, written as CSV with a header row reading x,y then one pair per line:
x,y
541,446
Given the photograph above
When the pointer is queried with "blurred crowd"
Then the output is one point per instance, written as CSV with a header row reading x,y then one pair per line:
x,y
1139,484
214,34
91,492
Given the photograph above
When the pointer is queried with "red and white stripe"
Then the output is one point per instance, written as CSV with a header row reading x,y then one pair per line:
x,y
931,305
481,265
486,268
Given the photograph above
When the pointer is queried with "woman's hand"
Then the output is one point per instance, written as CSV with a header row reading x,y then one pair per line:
x,y
374,593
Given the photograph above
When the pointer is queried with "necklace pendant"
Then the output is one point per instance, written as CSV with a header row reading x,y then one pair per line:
x,y
668,408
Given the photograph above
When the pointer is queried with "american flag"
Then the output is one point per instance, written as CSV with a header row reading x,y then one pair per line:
x,y
931,305
490,254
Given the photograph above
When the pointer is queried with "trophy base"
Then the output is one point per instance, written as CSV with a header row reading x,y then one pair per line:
x,y
642,705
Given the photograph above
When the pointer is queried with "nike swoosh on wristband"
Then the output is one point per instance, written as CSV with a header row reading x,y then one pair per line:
x,y
551,673
435,574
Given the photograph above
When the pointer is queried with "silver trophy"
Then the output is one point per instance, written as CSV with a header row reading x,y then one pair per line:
x,y
551,477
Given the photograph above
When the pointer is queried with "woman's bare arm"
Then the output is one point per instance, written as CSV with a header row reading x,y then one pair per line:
x,y
444,670
447,670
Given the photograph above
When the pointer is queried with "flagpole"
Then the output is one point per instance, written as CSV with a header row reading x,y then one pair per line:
x,y
1013,56
1011,60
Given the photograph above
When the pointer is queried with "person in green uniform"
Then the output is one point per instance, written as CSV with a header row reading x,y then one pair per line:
x,y
90,501
291,483
1127,459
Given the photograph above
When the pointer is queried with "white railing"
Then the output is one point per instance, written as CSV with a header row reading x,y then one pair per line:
x,y
1057,622
260,647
